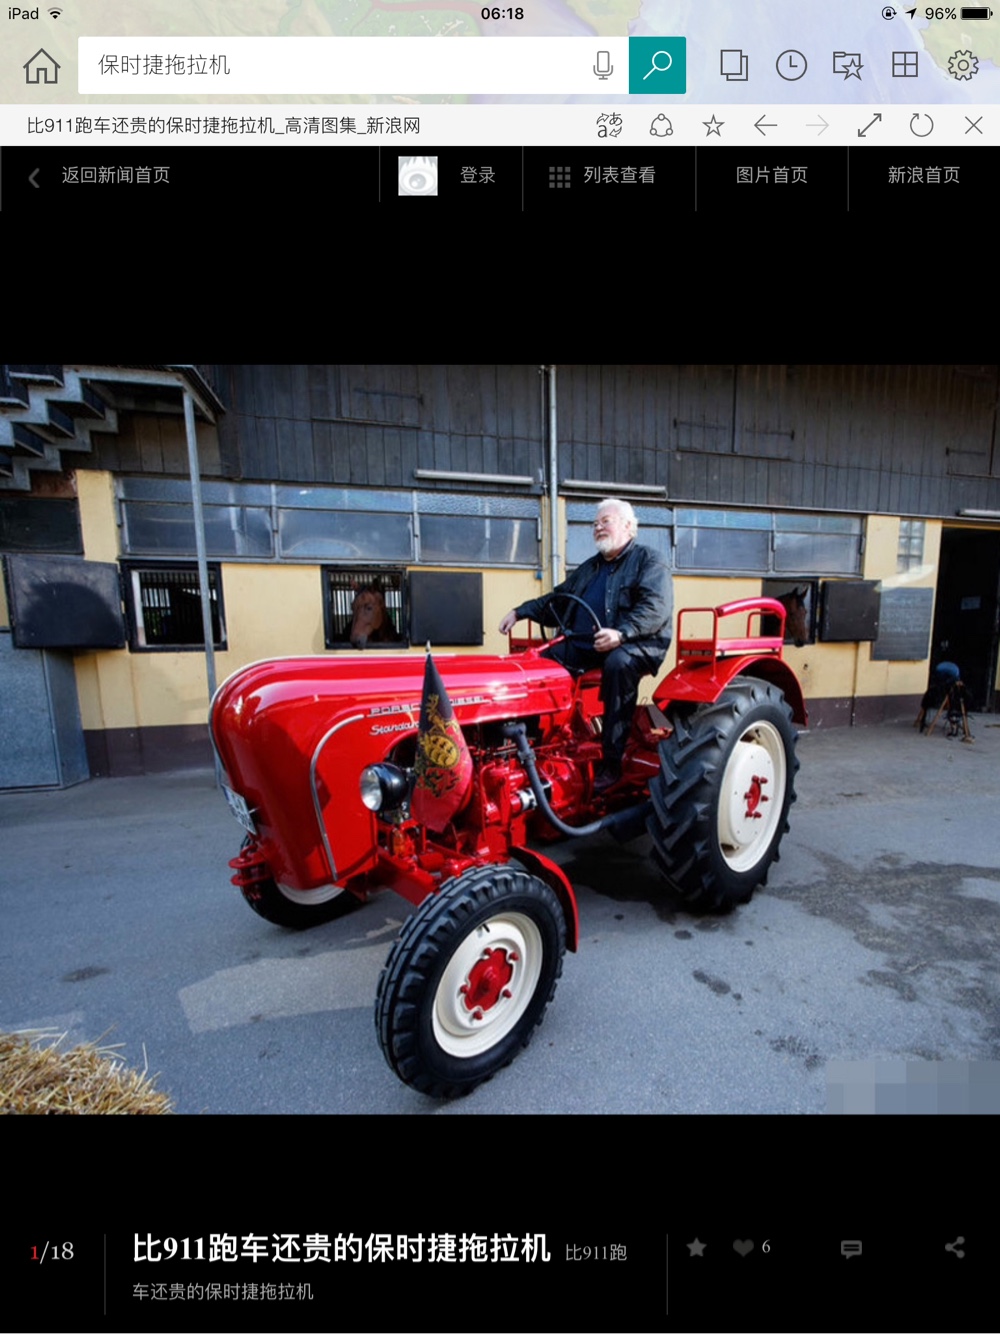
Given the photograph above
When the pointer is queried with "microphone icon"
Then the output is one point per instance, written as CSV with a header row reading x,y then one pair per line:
x,y
604,66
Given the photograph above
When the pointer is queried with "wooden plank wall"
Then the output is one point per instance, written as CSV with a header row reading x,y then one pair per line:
x,y
918,440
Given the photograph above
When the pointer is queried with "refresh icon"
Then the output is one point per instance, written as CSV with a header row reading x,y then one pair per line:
x,y
914,127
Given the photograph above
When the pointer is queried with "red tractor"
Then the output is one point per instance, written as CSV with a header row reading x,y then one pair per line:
x,y
323,757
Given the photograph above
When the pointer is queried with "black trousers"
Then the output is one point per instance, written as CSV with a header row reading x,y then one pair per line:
x,y
621,671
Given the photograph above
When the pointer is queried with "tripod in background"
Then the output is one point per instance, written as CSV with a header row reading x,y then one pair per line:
x,y
947,693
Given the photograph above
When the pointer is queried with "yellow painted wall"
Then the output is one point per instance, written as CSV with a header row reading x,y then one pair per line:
x,y
277,610
837,671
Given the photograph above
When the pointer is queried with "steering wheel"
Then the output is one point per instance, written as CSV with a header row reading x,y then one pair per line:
x,y
564,631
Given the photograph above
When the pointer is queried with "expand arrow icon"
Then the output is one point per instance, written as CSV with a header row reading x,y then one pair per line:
x,y
877,116
769,125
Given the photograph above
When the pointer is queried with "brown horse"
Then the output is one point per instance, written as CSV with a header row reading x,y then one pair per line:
x,y
796,607
370,619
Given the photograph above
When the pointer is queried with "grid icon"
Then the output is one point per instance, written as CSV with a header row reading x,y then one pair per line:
x,y
904,64
559,178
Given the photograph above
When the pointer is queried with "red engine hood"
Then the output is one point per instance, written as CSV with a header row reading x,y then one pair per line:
x,y
293,735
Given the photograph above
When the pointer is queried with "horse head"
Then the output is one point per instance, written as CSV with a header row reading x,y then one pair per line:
x,y
796,614
370,619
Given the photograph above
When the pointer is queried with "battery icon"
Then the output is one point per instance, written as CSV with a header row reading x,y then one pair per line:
x,y
977,13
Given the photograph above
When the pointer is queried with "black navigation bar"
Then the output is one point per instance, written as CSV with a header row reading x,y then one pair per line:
x,y
488,183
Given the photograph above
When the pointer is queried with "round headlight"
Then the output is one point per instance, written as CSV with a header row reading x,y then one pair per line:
x,y
371,788
384,787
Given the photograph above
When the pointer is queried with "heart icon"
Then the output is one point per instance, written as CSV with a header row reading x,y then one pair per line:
x,y
743,1247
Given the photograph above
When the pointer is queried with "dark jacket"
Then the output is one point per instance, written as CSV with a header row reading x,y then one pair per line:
x,y
638,598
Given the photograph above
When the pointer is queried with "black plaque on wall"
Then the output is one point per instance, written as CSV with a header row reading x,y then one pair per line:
x,y
446,608
64,602
904,625
850,610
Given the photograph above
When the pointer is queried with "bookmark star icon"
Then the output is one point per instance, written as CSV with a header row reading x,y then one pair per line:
x,y
696,1247
714,126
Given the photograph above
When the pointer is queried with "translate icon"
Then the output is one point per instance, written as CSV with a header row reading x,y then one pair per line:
x,y
734,66
849,1248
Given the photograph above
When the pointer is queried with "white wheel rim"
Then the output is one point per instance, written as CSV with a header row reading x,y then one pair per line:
x,y
477,1004
307,898
751,796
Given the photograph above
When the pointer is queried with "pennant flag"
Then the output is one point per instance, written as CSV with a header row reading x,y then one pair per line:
x,y
443,765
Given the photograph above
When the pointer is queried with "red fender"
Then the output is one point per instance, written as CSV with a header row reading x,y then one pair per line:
x,y
704,683
553,875
708,663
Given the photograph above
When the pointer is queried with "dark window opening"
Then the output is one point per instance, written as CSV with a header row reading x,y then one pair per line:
x,y
164,607
801,600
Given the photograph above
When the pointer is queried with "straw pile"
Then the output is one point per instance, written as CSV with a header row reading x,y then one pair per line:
x,y
38,1078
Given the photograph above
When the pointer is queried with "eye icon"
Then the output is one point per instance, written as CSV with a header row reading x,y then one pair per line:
x,y
418,176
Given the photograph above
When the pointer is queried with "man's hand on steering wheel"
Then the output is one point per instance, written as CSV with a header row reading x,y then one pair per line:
x,y
607,639
604,641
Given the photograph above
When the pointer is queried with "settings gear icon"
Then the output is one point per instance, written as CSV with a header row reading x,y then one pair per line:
x,y
962,65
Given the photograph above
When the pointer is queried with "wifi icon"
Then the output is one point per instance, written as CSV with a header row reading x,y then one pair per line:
x,y
55,13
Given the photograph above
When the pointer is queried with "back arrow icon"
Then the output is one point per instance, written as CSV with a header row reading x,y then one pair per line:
x,y
768,125
31,178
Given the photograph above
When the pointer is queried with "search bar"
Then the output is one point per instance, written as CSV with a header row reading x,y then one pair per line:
x,y
349,65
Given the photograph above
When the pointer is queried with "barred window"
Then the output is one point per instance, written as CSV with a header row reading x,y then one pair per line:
x,y
364,607
163,603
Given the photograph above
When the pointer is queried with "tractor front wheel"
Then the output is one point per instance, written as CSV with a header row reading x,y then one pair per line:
x,y
721,800
469,978
298,909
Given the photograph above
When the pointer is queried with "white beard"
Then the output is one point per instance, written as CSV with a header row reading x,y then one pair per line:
x,y
607,546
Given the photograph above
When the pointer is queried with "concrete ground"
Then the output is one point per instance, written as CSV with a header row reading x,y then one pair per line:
x,y
870,954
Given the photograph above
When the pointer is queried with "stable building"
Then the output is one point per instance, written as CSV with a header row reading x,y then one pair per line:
x,y
162,526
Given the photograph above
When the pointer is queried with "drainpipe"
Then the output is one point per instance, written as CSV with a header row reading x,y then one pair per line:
x,y
199,538
553,480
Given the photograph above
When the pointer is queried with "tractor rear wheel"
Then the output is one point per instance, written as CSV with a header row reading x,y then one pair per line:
x,y
721,799
469,978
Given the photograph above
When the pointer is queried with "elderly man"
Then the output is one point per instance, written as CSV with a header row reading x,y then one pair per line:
x,y
627,586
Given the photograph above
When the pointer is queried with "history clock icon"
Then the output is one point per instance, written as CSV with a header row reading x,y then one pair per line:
x,y
791,65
